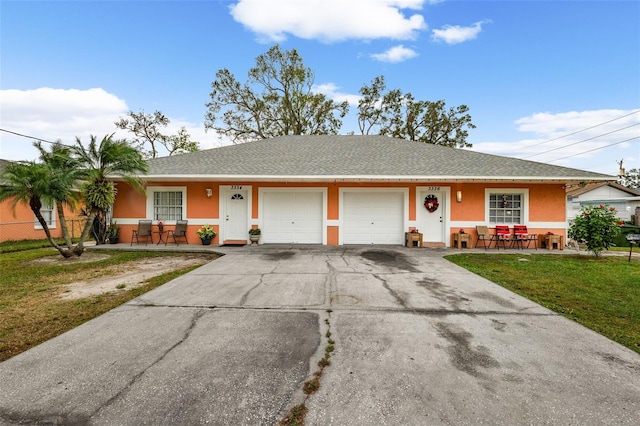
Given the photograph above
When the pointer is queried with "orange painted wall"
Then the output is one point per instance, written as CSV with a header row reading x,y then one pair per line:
x,y
129,203
546,202
473,203
19,224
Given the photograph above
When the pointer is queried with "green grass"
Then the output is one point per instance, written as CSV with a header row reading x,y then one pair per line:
x,y
13,246
31,309
602,294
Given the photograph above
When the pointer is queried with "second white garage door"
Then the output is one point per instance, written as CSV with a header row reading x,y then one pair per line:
x,y
373,218
292,217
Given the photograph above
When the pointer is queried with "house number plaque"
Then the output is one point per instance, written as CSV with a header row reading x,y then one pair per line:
x,y
236,186
433,188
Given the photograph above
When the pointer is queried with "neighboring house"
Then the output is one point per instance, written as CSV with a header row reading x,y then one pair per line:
x,y
338,190
624,200
21,224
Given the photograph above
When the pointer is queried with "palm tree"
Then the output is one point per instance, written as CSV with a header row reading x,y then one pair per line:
x,y
99,162
33,184
63,172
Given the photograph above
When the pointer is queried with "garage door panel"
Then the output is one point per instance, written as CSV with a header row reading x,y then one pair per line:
x,y
292,217
373,218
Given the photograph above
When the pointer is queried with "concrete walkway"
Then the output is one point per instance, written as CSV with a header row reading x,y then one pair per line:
x,y
418,341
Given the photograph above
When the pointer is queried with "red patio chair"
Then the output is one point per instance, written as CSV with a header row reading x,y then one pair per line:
x,y
521,235
503,234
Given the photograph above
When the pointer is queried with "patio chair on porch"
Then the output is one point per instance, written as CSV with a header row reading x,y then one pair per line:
x,y
521,235
143,231
502,235
483,235
179,232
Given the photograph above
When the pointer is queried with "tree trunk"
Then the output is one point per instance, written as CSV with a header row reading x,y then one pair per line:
x,y
63,225
79,248
35,205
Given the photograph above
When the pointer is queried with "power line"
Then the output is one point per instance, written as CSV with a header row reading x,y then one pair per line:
x,y
588,128
595,149
584,140
30,137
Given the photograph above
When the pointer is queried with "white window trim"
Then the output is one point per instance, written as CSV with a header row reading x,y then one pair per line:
x,y
152,189
52,224
524,209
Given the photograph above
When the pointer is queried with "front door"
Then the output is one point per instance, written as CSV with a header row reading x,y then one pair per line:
x,y
432,214
234,219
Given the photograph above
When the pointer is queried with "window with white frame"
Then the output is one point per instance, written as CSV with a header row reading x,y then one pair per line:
x,y
168,205
48,212
506,207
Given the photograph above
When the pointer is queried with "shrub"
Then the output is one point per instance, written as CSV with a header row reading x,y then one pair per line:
x,y
595,226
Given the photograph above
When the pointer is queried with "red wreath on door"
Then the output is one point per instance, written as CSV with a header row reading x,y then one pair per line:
x,y
431,203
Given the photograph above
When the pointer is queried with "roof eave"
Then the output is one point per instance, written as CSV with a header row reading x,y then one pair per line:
x,y
369,178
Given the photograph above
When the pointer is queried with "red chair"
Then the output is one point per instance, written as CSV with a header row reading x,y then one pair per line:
x,y
521,235
503,234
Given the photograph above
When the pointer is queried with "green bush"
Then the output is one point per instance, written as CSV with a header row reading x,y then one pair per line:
x,y
621,239
597,227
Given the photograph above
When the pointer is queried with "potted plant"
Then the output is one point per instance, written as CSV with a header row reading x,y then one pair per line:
x,y
254,235
206,234
113,233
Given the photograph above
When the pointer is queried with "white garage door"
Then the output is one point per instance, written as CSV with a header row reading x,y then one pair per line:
x,y
373,218
292,217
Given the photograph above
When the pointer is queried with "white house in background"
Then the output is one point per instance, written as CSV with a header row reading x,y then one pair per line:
x,y
625,200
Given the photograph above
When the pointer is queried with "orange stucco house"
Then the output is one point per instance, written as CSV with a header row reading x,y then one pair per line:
x,y
338,190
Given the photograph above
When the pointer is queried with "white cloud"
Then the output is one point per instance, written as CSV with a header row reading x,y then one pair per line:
x,y
53,114
332,92
454,34
64,114
395,54
591,140
331,20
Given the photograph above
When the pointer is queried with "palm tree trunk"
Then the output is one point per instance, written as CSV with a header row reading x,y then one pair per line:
x,y
79,248
35,208
63,225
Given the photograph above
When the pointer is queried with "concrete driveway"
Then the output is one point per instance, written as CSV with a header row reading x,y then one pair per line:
x,y
418,341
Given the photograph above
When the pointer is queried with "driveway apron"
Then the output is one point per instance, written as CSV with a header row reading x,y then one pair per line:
x,y
417,341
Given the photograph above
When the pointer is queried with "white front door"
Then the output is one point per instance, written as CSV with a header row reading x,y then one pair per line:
x,y
432,219
234,219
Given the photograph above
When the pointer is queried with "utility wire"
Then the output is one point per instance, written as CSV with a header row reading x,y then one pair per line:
x,y
595,149
588,128
584,140
34,138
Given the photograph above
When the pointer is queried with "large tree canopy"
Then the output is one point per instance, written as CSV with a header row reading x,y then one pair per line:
x,y
402,116
146,128
276,100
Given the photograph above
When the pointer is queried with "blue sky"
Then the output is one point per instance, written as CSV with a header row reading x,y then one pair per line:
x,y
549,81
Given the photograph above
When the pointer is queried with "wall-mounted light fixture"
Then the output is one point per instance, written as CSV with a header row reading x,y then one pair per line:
x,y
209,192
459,196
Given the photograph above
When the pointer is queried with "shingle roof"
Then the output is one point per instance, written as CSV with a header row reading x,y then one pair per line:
x,y
354,157
576,192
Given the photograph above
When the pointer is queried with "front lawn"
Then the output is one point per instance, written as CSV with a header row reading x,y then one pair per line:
x,y
31,309
602,294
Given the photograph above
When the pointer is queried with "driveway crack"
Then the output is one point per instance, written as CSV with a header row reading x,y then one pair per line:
x,y
391,291
245,296
194,320
331,283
